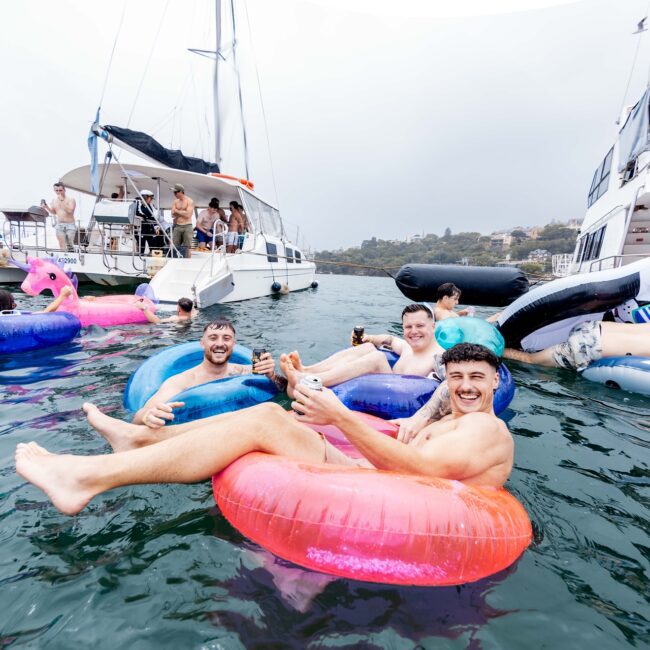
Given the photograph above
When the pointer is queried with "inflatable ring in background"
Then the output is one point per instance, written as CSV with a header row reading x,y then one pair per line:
x,y
627,373
22,332
467,329
212,398
584,296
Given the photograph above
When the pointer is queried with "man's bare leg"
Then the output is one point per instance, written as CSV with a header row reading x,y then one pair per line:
x,y
365,364
123,436
343,356
62,242
72,481
619,339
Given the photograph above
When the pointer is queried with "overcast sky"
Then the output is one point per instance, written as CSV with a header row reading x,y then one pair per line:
x,y
384,118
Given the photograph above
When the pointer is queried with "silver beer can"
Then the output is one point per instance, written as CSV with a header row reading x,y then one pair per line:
x,y
313,383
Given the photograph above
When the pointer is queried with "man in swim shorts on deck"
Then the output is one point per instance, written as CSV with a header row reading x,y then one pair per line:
x,y
419,354
470,445
218,343
590,341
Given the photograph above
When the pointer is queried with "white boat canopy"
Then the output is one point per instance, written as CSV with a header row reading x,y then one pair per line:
x,y
199,187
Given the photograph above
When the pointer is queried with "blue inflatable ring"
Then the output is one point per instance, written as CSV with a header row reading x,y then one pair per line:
x,y
21,332
219,396
400,396
629,373
466,329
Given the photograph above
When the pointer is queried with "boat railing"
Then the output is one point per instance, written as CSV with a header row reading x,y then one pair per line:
x,y
218,230
616,261
561,264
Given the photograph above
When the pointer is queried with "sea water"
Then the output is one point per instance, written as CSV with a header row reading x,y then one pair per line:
x,y
159,566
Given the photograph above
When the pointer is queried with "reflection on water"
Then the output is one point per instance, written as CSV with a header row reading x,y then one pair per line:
x,y
159,565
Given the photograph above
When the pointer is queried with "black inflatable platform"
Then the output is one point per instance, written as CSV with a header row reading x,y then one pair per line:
x,y
492,286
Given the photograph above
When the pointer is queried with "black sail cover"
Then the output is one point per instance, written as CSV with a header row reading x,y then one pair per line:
x,y
151,148
492,286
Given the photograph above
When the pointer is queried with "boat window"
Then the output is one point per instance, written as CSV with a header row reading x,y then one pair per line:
x,y
263,217
289,253
298,255
271,252
600,236
581,249
600,182
587,252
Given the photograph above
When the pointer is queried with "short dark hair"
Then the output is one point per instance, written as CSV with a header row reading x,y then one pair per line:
x,y
6,301
470,352
219,324
214,202
185,304
415,307
59,184
448,289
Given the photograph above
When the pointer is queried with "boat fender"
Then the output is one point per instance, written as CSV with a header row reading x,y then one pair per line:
x,y
276,287
314,284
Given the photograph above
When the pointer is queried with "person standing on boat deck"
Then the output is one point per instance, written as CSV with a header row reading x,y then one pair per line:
x,y
205,223
149,228
235,228
62,209
182,210
587,342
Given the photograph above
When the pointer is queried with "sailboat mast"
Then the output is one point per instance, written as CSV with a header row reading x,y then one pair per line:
x,y
217,117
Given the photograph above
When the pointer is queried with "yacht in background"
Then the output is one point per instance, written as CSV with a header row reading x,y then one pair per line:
x,y
106,248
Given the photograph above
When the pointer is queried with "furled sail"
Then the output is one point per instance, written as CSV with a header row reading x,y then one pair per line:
x,y
147,146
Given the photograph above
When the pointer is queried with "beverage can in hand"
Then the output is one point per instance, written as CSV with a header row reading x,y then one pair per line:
x,y
357,337
471,311
313,383
257,356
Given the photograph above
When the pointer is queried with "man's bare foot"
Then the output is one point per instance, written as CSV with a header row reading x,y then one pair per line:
x,y
121,436
296,361
293,376
60,477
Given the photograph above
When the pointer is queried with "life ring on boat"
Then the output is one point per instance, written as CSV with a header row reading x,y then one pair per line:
x,y
212,398
242,181
629,373
24,331
398,529
545,315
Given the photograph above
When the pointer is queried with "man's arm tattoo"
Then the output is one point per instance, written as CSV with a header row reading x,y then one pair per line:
x,y
438,406
234,370
280,382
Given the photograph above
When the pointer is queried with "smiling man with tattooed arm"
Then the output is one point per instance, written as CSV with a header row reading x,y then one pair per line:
x,y
218,343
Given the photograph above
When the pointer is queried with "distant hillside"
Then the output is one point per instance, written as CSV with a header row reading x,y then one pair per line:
x,y
532,255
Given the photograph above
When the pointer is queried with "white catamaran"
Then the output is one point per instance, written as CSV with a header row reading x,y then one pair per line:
x,y
106,248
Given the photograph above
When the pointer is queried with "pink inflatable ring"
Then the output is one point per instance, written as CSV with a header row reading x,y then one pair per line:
x,y
372,525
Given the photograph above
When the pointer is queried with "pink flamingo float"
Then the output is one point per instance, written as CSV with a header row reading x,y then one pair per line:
x,y
117,309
